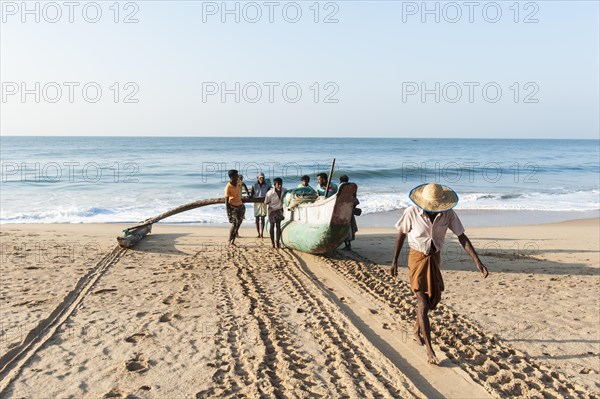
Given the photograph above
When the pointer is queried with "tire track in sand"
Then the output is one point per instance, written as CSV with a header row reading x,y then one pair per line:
x,y
234,376
15,359
367,378
502,370
282,368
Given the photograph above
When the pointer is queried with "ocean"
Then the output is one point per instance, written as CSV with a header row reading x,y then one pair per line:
x,y
128,179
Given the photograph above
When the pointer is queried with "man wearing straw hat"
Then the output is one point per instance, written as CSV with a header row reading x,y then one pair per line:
x,y
425,225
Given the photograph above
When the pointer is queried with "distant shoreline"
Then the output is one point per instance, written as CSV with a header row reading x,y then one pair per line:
x,y
306,136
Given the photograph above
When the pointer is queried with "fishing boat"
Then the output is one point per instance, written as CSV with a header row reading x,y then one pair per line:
x,y
321,226
315,227
318,227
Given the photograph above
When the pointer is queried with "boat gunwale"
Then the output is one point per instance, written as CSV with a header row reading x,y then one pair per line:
x,y
322,202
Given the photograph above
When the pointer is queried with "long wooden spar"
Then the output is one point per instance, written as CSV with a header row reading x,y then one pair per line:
x,y
135,234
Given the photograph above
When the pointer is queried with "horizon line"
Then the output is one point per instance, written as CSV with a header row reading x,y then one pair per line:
x,y
306,137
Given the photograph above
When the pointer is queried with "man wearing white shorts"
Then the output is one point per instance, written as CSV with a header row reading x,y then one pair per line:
x,y
259,190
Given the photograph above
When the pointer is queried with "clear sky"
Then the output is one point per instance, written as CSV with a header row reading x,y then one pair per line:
x,y
385,68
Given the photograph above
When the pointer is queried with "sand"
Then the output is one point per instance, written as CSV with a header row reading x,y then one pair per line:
x,y
182,315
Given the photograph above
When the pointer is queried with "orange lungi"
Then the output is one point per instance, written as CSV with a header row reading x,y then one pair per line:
x,y
425,275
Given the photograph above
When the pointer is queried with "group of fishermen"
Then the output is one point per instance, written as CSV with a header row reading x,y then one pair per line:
x,y
424,224
272,206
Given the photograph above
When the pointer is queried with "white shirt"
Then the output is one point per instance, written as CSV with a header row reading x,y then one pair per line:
x,y
415,223
275,203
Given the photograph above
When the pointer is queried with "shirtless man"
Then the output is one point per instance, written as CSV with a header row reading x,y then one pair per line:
x,y
425,224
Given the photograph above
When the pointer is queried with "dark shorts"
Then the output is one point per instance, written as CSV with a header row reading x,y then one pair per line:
x,y
237,214
276,216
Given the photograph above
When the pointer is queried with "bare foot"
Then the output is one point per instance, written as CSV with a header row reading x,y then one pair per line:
x,y
232,244
418,339
431,359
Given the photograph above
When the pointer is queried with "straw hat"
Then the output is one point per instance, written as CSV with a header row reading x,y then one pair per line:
x,y
433,197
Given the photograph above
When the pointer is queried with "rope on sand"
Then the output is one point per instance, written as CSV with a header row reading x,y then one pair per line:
x,y
14,360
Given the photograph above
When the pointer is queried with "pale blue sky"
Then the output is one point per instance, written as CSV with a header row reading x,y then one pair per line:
x,y
371,54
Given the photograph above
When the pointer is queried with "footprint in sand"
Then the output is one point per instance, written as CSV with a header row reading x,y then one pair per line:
x,y
135,338
138,364
114,393
208,393
168,317
102,291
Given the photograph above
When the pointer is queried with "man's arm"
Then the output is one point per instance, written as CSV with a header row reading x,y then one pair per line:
x,y
466,244
397,248
228,207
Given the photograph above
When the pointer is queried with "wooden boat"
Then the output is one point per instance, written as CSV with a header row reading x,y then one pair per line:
x,y
318,227
321,226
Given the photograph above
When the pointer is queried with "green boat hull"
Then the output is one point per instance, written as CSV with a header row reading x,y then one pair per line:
x,y
314,238
322,226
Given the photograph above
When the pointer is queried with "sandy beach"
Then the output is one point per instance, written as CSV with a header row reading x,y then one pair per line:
x,y
183,316
166,126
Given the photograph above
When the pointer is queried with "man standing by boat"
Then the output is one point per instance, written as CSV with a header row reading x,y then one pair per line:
x,y
355,212
425,225
234,205
274,200
322,186
259,190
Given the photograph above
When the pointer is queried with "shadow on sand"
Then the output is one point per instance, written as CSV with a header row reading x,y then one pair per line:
x,y
161,243
498,254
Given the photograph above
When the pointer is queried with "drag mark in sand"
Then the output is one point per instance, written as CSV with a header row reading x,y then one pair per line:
x,y
14,360
367,376
503,371
349,369
282,365
259,341
229,355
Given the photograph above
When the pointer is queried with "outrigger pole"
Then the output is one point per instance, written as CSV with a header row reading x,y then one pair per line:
x,y
134,234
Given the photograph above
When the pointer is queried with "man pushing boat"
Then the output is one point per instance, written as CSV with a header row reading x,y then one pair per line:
x,y
234,205
425,224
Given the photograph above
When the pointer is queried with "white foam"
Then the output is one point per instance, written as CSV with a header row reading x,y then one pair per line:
x,y
132,211
573,201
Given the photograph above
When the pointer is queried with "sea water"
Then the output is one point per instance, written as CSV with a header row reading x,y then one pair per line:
x,y
128,179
